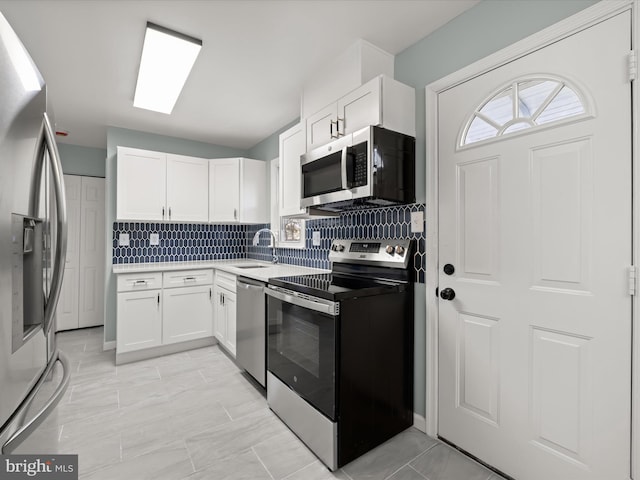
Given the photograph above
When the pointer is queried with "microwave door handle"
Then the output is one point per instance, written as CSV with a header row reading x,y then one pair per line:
x,y
61,214
343,168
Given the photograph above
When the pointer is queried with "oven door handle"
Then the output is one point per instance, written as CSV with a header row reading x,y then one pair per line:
x,y
322,306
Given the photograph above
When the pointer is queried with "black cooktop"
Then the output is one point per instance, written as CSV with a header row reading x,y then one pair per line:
x,y
335,286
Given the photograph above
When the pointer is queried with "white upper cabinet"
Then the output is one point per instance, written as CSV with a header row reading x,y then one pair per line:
x,y
161,186
381,101
187,188
321,126
224,190
141,184
238,191
358,64
292,145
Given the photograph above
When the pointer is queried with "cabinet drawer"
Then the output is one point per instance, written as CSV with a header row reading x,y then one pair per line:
x,y
226,280
139,281
187,278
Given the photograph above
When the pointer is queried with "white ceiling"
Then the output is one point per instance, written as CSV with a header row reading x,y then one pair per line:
x,y
247,80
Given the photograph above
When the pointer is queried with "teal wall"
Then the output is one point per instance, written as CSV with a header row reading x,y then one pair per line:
x,y
484,29
268,149
77,160
120,137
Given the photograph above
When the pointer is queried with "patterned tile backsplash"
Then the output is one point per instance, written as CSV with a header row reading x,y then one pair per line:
x,y
186,242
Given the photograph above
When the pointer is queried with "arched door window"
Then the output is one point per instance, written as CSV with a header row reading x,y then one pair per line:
x,y
522,105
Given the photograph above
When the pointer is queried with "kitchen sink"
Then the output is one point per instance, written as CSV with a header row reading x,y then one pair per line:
x,y
251,266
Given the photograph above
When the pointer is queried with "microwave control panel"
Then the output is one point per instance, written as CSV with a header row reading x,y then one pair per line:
x,y
359,167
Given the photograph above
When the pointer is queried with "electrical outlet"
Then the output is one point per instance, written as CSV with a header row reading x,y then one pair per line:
x,y
123,239
154,239
417,222
316,238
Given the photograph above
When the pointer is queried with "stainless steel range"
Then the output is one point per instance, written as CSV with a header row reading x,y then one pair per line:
x,y
340,349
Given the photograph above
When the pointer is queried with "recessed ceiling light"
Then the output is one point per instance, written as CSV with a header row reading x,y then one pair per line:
x,y
167,59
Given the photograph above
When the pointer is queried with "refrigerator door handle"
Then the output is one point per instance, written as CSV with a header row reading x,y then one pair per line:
x,y
25,430
49,142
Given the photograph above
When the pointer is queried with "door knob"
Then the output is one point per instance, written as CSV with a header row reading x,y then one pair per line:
x,y
448,294
449,269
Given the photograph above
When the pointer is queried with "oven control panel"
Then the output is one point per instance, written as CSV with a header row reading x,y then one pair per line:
x,y
384,252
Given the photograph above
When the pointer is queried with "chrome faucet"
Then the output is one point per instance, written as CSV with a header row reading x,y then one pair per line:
x,y
256,237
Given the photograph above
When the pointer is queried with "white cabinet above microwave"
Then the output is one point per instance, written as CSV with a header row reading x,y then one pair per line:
x,y
382,101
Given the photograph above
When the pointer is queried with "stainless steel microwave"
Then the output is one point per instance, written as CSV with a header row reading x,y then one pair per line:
x,y
370,167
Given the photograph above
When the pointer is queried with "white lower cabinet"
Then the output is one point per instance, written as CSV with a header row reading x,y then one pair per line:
x,y
156,309
187,313
224,293
139,320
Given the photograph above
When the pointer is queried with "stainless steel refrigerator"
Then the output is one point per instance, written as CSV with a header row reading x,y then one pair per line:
x,y
32,248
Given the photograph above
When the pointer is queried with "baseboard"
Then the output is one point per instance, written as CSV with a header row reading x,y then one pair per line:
x,y
109,345
146,353
420,422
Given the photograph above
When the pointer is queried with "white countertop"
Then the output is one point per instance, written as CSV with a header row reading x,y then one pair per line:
x,y
270,270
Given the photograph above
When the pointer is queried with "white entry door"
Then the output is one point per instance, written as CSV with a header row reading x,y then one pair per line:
x,y
535,233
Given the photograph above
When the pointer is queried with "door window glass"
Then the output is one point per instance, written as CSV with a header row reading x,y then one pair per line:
x,y
523,105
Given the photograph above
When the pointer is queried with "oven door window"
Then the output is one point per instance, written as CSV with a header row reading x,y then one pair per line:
x,y
322,176
301,352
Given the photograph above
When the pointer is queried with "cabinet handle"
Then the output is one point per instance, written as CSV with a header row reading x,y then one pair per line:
x,y
158,300
140,282
338,126
163,213
189,279
169,213
209,293
235,213
331,124
223,299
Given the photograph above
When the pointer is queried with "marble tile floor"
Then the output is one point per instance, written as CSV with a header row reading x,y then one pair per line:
x,y
194,415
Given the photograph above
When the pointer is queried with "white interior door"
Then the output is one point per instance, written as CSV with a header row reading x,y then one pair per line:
x,y
67,313
535,348
92,245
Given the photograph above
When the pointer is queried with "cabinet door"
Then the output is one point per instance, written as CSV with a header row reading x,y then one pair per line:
x,y
292,145
67,313
219,316
141,185
92,240
320,130
360,108
253,191
139,320
187,314
187,188
224,189
230,307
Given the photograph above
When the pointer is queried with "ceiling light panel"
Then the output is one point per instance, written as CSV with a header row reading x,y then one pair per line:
x,y
167,60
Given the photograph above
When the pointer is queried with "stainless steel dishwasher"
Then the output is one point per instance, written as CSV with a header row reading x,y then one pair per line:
x,y
251,328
